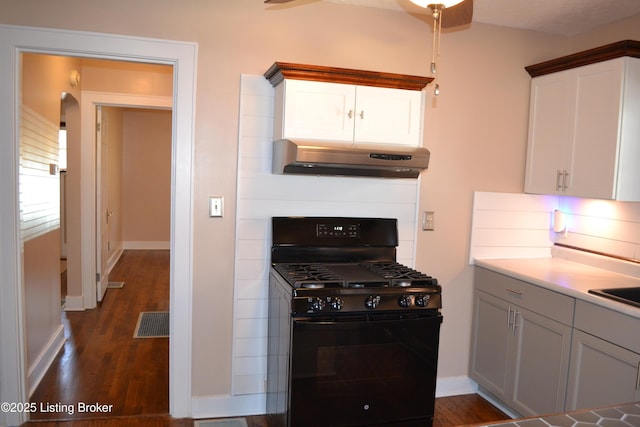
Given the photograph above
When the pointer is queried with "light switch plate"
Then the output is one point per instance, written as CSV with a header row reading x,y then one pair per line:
x,y
428,221
216,206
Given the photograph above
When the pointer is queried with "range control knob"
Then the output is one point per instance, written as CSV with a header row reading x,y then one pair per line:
x,y
405,301
316,304
336,303
372,302
422,300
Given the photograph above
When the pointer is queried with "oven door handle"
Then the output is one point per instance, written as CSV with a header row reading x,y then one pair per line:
x,y
356,321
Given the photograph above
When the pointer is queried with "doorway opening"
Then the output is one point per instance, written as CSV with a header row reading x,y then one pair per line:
x,y
182,56
133,208
133,146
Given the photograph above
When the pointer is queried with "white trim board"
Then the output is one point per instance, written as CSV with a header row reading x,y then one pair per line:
x,y
183,57
45,359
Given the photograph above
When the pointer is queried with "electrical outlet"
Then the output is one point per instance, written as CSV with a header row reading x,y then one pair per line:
x,y
216,206
428,219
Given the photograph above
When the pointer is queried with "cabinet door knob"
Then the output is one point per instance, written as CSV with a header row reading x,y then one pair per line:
x,y
362,114
350,114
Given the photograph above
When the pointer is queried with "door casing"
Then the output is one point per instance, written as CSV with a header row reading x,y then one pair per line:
x,y
183,57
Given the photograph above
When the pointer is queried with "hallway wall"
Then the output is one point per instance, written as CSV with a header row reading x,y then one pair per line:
x,y
146,179
44,78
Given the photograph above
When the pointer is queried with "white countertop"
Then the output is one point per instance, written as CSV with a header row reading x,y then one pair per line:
x,y
567,277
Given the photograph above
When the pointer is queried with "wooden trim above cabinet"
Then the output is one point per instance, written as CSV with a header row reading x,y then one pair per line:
x,y
603,53
283,70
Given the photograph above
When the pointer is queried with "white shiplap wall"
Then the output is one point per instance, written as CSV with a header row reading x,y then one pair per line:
x,y
262,195
511,225
602,225
507,225
39,189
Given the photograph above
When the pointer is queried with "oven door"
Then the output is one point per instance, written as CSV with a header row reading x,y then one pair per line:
x,y
365,371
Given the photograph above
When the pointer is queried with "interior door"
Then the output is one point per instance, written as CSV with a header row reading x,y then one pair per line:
x,y
102,209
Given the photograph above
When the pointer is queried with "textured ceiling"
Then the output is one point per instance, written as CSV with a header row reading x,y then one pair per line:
x,y
567,17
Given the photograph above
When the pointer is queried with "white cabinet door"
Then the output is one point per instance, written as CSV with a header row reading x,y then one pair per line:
x,y
584,136
593,168
316,110
551,122
341,112
385,115
602,373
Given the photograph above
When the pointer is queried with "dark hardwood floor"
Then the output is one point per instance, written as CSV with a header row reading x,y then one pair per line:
x,y
102,362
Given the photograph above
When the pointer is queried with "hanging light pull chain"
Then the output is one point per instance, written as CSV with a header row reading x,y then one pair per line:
x,y
435,48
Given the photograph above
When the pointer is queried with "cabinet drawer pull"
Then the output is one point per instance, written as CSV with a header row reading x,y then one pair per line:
x,y
513,291
565,178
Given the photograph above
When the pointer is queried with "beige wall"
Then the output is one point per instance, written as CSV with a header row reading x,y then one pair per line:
x,y
139,175
476,129
146,178
43,82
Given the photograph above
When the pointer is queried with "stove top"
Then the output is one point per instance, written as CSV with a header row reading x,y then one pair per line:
x,y
353,275
335,265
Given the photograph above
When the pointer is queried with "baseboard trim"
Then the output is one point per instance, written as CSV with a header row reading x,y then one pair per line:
x,y
255,404
74,303
113,259
497,403
455,386
227,406
150,246
45,359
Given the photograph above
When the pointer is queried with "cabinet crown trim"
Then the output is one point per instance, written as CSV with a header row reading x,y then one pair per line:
x,y
285,70
603,53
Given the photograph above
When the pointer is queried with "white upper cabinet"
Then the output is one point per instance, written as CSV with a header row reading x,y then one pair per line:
x,y
314,110
584,132
388,115
337,110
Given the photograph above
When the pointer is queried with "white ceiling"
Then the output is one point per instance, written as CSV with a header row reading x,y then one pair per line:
x,y
566,17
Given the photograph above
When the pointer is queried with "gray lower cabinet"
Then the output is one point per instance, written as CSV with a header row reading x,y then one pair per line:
x,y
605,361
521,342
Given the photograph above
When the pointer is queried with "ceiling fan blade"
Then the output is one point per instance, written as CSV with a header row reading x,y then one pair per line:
x,y
460,14
278,1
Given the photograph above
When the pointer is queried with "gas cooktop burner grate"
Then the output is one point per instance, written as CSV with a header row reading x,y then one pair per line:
x,y
400,275
380,274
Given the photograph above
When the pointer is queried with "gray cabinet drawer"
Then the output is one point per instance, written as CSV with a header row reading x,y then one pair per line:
x,y
612,326
547,303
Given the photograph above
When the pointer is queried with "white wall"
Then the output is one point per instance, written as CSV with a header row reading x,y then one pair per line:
x,y
510,225
602,226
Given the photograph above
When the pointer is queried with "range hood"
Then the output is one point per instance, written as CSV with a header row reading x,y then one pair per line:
x,y
339,158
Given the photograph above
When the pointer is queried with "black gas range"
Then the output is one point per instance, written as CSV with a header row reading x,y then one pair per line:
x,y
353,335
